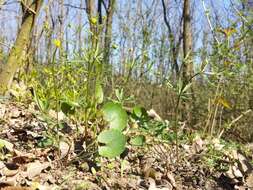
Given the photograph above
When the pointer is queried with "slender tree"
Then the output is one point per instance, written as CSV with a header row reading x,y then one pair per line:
x,y
187,64
108,30
17,56
174,43
92,16
187,67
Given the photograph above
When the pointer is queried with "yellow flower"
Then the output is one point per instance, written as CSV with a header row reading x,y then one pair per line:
x,y
93,20
46,25
223,102
57,43
227,31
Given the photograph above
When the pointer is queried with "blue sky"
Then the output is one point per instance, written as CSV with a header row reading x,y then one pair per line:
x,y
8,21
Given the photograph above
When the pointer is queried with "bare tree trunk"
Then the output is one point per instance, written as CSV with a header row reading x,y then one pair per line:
x,y
79,39
50,23
92,15
61,25
187,65
19,51
108,31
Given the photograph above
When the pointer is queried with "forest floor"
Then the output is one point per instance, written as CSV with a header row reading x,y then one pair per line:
x,y
28,161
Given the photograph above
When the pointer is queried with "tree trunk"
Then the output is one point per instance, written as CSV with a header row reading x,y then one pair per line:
x,y
108,32
187,65
92,15
174,44
18,53
80,29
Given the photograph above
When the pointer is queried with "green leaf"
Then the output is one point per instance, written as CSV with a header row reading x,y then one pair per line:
x,y
67,108
138,140
45,142
140,112
6,144
115,115
42,104
137,111
186,88
99,95
119,94
114,142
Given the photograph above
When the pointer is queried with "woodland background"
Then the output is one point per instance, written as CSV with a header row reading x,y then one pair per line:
x,y
144,47
162,88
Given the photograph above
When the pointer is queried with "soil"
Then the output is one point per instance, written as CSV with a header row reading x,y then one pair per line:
x,y
75,164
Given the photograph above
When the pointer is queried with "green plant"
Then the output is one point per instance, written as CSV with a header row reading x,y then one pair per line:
x,y
137,140
113,138
114,143
146,126
115,115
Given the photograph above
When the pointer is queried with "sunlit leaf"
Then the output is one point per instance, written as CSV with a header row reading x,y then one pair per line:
x,y
139,113
187,87
223,102
6,144
99,95
137,140
119,94
114,142
115,115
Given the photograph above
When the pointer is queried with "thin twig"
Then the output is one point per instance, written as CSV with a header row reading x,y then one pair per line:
x,y
238,12
6,45
209,22
27,7
239,117
73,6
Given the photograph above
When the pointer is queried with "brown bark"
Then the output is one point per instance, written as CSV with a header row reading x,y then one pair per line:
x,y
19,51
92,14
187,67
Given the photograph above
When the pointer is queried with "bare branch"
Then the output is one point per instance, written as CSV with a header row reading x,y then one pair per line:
x,y
165,17
3,3
74,7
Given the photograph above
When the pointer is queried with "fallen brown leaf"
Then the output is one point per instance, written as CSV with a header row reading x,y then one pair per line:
x,y
171,179
152,186
64,149
198,144
16,188
6,172
249,181
35,168
2,110
152,113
